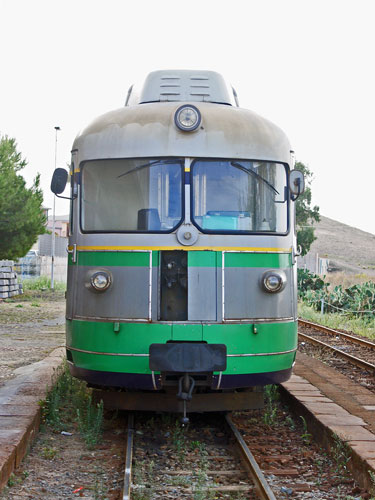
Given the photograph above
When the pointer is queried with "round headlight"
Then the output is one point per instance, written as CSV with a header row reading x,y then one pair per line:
x,y
187,118
100,281
274,281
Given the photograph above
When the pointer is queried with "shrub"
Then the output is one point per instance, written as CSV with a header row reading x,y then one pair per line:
x,y
357,299
308,282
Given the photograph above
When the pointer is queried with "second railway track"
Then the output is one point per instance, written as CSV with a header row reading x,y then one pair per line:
x,y
337,333
355,350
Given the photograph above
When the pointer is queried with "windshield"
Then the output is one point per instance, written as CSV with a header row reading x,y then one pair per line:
x,y
237,196
135,195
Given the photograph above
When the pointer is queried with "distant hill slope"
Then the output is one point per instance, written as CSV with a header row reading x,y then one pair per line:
x,y
348,248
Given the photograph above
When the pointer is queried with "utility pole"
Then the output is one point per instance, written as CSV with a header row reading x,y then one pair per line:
x,y
54,221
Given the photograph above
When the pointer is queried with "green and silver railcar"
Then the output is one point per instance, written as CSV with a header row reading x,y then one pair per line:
x,y
182,249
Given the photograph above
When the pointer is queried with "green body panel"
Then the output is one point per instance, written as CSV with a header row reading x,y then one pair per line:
x,y
100,336
197,258
205,258
240,338
117,364
135,338
192,332
278,260
108,259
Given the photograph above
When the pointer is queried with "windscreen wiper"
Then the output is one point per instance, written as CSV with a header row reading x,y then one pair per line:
x,y
244,169
149,164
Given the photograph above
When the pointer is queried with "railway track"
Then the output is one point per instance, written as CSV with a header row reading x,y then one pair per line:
x,y
219,463
355,350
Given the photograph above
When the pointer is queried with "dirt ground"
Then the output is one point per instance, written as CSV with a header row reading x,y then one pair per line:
x,y
58,465
31,326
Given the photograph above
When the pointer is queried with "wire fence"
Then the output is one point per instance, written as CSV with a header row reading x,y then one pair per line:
x,y
324,305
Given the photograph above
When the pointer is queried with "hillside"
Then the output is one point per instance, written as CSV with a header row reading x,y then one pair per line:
x,y
347,248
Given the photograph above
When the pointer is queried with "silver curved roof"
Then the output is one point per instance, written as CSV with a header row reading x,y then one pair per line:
x,y
148,130
185,85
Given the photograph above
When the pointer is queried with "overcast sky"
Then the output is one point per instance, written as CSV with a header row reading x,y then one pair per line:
x,y
308,66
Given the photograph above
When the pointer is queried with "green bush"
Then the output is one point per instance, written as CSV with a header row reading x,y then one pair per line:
x,y
309,282
355,300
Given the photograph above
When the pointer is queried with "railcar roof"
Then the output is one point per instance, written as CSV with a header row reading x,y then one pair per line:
x,y
148,130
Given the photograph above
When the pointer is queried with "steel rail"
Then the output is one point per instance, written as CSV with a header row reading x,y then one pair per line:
x,y
352,359
129,458
331,331
261,486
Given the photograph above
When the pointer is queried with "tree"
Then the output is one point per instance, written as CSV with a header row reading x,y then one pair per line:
x,y
21,214
306,215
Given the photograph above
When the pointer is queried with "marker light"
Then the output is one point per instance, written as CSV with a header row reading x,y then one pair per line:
x,y
274,281
100,281
187,118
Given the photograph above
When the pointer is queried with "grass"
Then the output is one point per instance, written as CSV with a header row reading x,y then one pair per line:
x,y
90,419
42,283
13,480
360,326
142,484
49,452
69,404
271,396
341,454
347,280
179,441
305,436
372,477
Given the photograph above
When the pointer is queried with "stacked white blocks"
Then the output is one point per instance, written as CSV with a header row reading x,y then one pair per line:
x,y
8,280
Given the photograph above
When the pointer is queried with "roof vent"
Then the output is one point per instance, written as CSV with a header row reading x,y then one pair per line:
x,y
186,86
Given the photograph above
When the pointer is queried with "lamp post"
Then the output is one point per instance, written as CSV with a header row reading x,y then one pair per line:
x,y
54,221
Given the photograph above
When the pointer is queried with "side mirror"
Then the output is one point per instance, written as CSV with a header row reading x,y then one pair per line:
x,y
59,179
296,183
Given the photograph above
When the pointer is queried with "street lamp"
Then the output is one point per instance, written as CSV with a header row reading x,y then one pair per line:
x,y
54,220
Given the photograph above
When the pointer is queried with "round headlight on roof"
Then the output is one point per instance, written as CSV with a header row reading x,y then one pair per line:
x,y
274,281
187,118
100,281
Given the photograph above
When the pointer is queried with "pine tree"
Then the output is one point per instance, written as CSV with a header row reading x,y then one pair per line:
x,y
21,214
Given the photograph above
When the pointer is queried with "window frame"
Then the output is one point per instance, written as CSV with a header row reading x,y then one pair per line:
x,y
82,165
240,232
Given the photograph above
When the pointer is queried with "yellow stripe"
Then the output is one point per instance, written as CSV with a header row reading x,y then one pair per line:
x,y
187,249
187,169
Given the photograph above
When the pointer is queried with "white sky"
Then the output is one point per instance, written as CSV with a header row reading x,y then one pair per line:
x,y
307,65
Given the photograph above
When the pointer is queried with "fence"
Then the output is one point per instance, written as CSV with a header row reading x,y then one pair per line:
x,y
40,265
45,245
313,263
39,262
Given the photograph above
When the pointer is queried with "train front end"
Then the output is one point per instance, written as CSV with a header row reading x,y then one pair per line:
x,y
181,276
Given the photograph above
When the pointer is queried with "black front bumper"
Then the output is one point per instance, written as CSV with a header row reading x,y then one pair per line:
x,y
188,357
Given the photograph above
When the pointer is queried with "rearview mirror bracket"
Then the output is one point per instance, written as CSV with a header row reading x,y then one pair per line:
x,y
296,184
